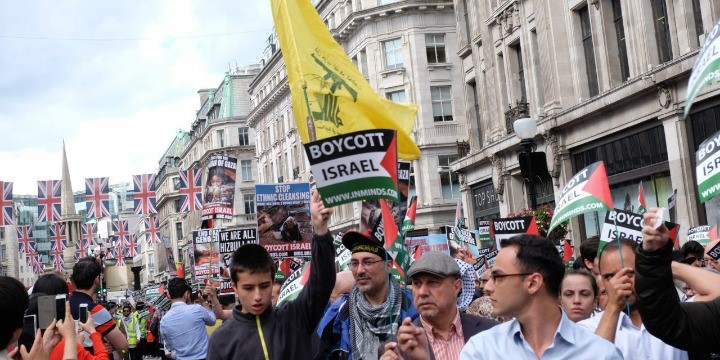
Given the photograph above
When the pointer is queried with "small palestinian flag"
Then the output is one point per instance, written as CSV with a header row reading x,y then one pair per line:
x,y
409,222
587,191
642,208
393,241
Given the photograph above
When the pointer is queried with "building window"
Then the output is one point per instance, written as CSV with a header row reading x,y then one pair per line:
x,y
697,15
466,18
177,205
244,135
589,53
520,73
662,30
176,182
221,137
249,201
384,2
448,179
620,37
393,54
397,96
178,230
441,103
246,170
435,48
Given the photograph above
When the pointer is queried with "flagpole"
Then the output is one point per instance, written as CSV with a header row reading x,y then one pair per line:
x,y
310,122
622,262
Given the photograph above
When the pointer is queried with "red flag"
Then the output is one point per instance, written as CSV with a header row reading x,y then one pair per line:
x,y
641,200
568,250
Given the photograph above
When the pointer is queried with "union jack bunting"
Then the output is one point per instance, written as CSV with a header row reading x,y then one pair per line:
x,y
110,253
119,259
144,194
34,260
57,259
120,229
57,237
152,230
97,200
49,200
89,234
131,250
26,241
6,204
190,190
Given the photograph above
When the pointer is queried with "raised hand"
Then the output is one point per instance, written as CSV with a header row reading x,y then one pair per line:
x,y
319,214
653,239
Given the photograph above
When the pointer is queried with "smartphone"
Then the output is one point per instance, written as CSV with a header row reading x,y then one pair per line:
x,y
30,324
83,313
60,306
46,310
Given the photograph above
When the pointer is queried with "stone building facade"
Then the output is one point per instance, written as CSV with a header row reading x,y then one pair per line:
x,y
604,80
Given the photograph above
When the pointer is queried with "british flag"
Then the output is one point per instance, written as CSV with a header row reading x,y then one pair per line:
x,y
89,234
110,253
120,229
119,259
57,237
6,204
49,200
132,248
57,259
190,190
152,230
144,194
25,237
34,260
97,200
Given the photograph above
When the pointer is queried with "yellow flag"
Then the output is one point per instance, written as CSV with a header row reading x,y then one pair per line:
x,y
340,100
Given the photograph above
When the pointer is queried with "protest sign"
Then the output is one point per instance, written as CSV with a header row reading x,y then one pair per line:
x,y
152,291
432,242
294,284
480,266
229,241
342,254
714,252
283,215
170,258
370,209
355,166
505,228
409,221
206,254
490,257
621,224
706,69
707,170
672,201
702,234
219,194
587,191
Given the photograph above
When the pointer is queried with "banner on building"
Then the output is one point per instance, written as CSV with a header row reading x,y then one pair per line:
x,y
283,215
220,188
330,96
206,254
707,170
587,191
505,228
706,69
355,166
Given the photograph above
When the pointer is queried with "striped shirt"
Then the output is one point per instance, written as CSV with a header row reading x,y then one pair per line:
x,y
446,349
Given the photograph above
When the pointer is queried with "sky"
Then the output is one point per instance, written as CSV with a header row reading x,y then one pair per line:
x,y
114,80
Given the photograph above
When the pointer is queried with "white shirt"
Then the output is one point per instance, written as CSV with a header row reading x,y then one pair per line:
x,y
636,342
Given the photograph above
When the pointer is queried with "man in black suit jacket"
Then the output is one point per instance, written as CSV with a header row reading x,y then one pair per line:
x,y
441,330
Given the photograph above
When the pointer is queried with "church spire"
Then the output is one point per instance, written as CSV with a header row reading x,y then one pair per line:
x,y
68,201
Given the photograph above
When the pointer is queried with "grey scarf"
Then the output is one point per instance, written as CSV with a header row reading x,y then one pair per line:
x,y
368,323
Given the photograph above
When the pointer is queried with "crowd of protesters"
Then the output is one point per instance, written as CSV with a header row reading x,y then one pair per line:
x,y
630,301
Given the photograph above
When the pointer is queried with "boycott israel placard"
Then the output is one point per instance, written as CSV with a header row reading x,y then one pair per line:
x,y
294,284
371,209
707,170
629,226
714,252
706,69
586,191
283,216
342,254
206,253
702,234
480,266
219,194
505,228
355,166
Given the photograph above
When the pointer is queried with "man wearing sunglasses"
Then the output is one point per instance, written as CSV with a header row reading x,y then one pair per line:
x,y
525,283
357,324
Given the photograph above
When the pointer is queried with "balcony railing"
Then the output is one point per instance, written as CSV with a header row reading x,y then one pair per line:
x,y
441,134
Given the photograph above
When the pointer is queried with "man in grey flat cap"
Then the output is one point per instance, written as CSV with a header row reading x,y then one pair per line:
x,y
441,330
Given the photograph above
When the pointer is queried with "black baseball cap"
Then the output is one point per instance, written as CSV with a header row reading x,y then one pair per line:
x,y
356,241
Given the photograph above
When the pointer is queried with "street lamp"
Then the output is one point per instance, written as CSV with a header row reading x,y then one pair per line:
x,y
525,130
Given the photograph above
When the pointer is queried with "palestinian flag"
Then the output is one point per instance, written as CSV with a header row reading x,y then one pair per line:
x,y
568,251
704,71
394,244
587,191
642,208
409,222
294,284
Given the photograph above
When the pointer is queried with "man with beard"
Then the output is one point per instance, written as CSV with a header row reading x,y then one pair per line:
x,y
615,324
356,324
442,330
